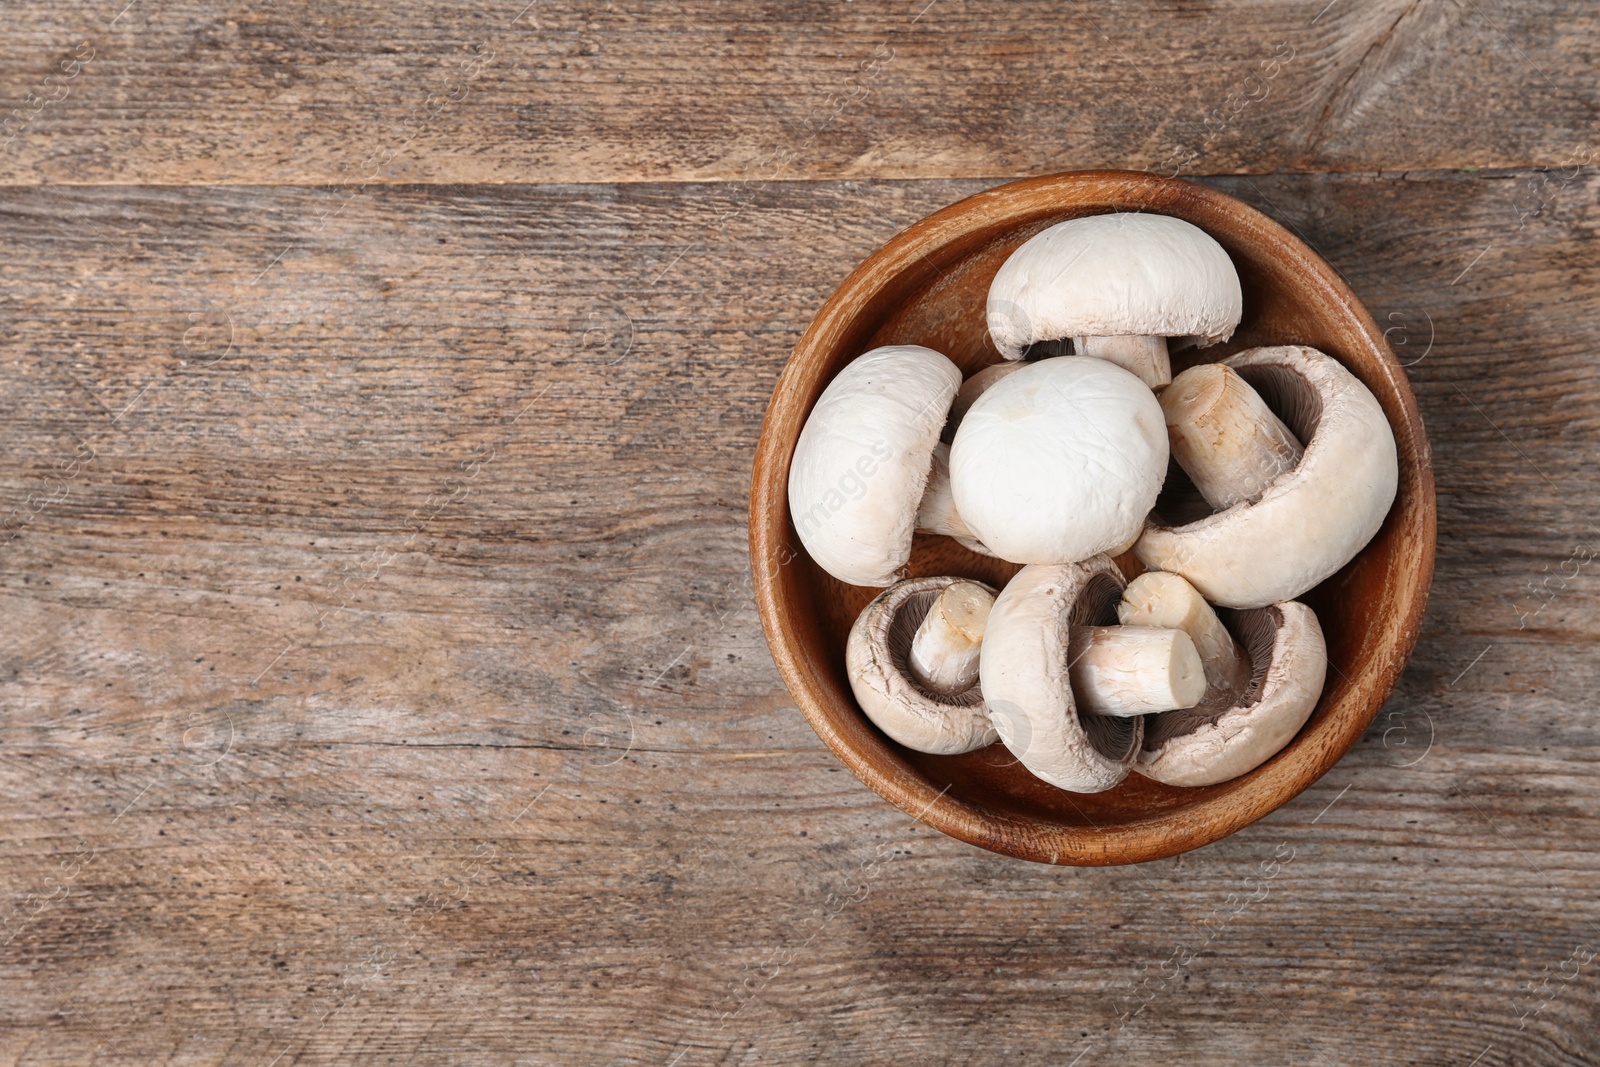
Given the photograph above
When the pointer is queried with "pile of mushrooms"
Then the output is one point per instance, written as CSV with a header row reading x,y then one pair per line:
x,y
1055,459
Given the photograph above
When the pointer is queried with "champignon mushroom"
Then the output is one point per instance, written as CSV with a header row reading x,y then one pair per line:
x,y
1118,286
1059,460
1209,744
1156,598
1065,689
1312,519
863,458
910,659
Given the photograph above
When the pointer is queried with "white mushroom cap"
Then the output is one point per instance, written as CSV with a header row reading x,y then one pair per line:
x,y
877,659
861,462
1024,667
1314,518
1206,745
1115,275
1059,461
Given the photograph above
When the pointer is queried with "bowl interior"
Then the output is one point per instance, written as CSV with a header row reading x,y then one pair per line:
x,y
928,286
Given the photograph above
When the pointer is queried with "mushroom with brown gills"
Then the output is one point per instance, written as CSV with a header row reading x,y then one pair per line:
x,y
912,660
1066,689
1312,514
1208,744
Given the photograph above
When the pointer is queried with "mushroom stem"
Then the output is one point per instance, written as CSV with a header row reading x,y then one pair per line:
x,y
1157,598
1144,356
944,652
1134,670
937,512
1224,436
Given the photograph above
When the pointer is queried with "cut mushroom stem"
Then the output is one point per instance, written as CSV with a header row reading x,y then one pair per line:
x,y
944,652
937,512
1224,436
1157,598
1134,670
1146,357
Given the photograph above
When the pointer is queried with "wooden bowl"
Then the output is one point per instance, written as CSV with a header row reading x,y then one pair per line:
x,y
928,286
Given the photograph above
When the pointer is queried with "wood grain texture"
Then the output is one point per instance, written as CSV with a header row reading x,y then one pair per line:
x,y
349,713
359,91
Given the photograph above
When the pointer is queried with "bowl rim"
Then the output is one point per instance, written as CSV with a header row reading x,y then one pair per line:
x,y
1138,839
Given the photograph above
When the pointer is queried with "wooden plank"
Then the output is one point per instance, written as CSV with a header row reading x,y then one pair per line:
x,y
357,92
349,712
331,900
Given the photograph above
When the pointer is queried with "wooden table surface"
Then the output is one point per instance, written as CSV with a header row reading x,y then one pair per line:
x,y
379,675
